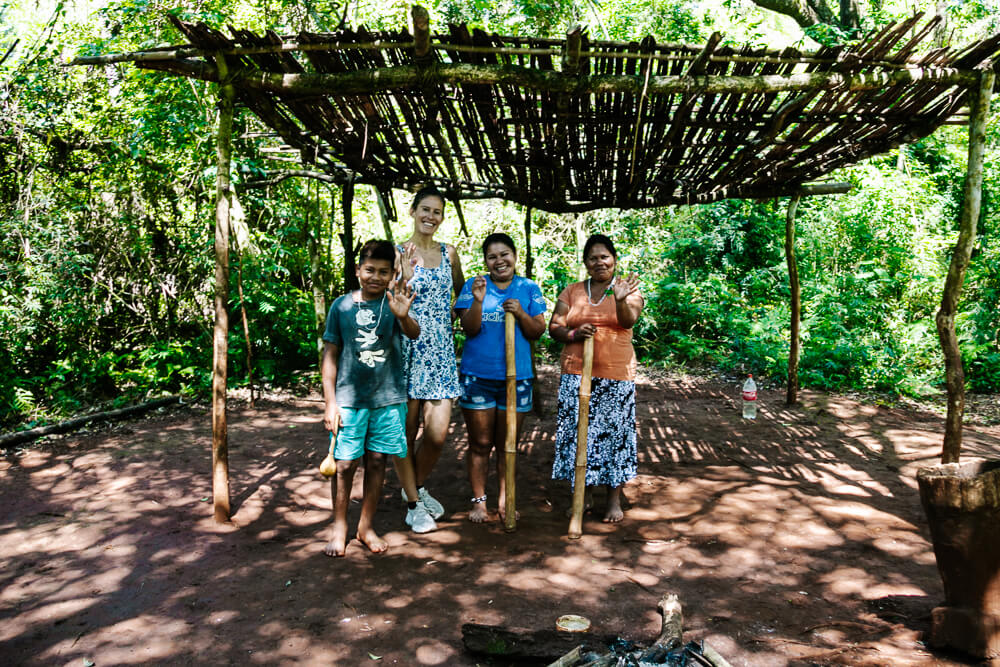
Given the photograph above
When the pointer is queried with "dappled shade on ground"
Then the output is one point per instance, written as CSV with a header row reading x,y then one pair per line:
x,y
797,538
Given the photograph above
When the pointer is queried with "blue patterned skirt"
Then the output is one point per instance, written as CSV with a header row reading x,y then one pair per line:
x,y
611,438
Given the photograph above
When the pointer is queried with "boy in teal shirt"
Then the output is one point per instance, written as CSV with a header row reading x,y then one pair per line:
x,y
364,389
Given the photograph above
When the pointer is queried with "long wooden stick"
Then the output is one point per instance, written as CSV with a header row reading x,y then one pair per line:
x,y
17,437
510,447
386,79
582,422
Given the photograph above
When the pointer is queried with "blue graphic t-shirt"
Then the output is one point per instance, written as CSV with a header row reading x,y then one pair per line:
x,y
483,355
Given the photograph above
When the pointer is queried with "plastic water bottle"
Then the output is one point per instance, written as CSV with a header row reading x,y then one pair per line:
x,y
750,398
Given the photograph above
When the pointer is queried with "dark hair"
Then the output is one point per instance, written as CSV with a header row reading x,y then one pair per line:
x,y
498,237
377,249
599,239
425,192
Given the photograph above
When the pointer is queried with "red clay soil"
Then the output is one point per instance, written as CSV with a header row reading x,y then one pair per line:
x,y
797,539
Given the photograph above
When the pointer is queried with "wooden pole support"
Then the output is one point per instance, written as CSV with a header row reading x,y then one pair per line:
x,y
583,421
971,200
220,355
792,392
510,447
421,33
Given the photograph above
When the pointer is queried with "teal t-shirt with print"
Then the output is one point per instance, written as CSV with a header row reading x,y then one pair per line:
x,y
370,366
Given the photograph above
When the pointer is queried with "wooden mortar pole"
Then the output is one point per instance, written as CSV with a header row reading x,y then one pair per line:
x,y
220,355
582,422
510,447
979,107
792,394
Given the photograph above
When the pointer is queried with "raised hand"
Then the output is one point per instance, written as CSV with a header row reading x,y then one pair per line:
x,y
479,288
400,296
626,286
409,260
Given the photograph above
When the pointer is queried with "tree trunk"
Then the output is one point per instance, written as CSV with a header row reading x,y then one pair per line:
x,y
347,237
529,260
315,248
388,215
246,327
529,271
979,107
220,357
10,439
941,29
792,395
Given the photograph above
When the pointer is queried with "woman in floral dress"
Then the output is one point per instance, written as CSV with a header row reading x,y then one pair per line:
x,y
434,271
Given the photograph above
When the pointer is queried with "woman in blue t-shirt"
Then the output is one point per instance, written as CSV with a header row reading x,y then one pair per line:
x,y
481,306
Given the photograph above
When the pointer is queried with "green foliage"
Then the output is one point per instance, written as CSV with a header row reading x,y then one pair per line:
x,y
827,34
106,217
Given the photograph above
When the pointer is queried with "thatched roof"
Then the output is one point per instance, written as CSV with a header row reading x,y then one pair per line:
x,y
578,124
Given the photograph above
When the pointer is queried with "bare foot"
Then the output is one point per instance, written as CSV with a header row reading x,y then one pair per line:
x,y
371,540
614,513
478,513
337,546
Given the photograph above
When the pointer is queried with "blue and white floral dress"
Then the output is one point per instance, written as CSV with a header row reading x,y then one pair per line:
x,y
430,361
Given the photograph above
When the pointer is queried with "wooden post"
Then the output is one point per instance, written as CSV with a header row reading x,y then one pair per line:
x,y
220,354
979,107
510,446
246,326
529,260
385,213
529,271
792,394
347,236
582,422
317,272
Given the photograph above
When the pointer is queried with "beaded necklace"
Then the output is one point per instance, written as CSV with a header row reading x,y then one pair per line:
x,y
364,318
609,290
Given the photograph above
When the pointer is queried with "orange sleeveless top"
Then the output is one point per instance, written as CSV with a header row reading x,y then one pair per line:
x,y
614,358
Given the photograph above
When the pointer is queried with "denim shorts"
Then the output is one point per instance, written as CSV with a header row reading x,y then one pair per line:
x,y
483,394
381,430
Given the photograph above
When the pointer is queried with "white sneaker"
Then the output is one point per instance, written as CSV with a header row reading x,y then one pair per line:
x,y
420,520
433,506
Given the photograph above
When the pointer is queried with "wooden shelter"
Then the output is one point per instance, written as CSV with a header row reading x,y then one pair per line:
x,y
579,124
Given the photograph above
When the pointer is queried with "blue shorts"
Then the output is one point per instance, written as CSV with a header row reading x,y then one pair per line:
x,y
381,430
483,394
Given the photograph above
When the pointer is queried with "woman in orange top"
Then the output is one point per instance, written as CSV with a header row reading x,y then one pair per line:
x,y
603,307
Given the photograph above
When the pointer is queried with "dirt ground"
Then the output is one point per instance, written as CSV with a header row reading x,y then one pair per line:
x,y
797,539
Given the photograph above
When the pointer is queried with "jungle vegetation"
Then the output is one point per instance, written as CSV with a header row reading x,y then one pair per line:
x,y
107,203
